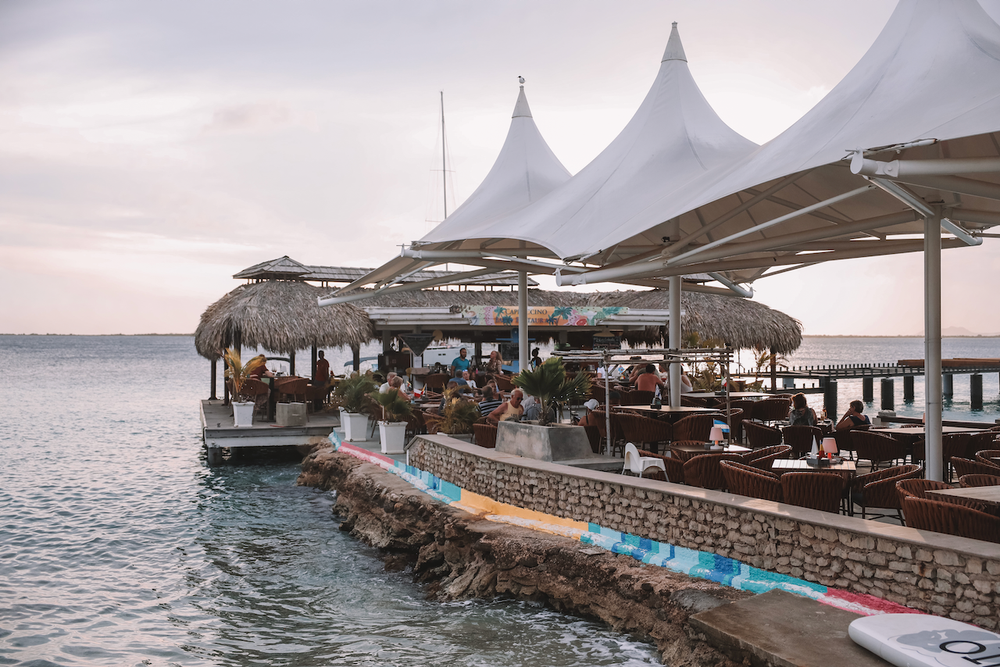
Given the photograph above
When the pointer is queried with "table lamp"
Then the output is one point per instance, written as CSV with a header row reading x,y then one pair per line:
x,y
716,435
830,446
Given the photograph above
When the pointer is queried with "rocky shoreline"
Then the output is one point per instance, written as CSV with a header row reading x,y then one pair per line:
x,y
459,555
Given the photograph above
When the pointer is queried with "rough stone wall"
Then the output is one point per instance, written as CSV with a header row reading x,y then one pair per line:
x,y
939,574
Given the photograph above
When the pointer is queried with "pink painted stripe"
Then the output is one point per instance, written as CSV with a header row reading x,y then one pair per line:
x,y
869,602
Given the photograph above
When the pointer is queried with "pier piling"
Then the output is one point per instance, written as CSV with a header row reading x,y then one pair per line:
x,y
907,388
947,385
888,394
830,397
868,389
976,391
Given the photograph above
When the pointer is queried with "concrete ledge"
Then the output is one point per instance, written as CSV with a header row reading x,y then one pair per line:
x,y
784,630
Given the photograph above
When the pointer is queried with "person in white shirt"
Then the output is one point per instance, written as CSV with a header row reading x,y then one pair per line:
x,y
469,381
388,382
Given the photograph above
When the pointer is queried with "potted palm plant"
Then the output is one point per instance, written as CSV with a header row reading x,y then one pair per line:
x,y
459,416
352,397
392,427
549,385
237,374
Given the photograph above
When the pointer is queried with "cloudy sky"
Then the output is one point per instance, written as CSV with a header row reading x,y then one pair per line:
x,y
149,150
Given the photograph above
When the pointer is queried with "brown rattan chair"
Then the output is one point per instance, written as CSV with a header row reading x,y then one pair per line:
x,y
258,392
292,389
644,432
844,444
816,490
986,456
800,438
760,435
771,410
878,489
985,441
704,470
918,488
437,381
636,397
951,519
485,435
690,402
952,444
876,447
415,424
737,426
963,467
594,437
969,481
694,427
744,480
763,458
674,468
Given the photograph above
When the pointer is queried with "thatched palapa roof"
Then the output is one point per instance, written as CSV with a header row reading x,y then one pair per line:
x,y
280,316
741,323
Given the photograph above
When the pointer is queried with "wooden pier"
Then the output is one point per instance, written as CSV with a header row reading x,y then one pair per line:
x,y
219,432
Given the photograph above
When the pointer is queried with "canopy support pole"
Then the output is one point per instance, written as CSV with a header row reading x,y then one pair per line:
x,y
674,329
356,357
932,348
215,371
522,319
312,374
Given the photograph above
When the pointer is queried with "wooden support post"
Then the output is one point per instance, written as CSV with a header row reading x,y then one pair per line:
x,y
774,370
907,388
291,362
868,389
888,394
948,385
356,357
312,373
215,371
976,391
830,398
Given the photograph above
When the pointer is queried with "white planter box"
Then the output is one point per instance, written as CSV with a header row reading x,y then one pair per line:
x,y
243,414
393,436
290,414
355,426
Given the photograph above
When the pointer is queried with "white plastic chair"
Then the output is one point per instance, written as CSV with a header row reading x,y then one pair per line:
x,y
639,464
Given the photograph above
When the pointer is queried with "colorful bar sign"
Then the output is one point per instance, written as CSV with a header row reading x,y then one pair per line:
x,y
540,316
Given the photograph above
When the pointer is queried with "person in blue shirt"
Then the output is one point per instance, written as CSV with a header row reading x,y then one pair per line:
x,y
461,362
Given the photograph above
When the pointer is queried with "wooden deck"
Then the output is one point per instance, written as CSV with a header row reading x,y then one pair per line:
x,y
219,433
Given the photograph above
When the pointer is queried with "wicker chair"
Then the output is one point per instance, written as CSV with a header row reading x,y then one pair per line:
x,y
985,441
694,427
952,444
437,381
763,458
843,438
674,468
951,519
292,388
432,422
916,488
876,447
415,424
878,489
816,490
986,456
760,435
747,408
772,409
744,480
704,470
800,438
636,397
645,431
259,393
969,481
594,437
690,402
485,435
963,467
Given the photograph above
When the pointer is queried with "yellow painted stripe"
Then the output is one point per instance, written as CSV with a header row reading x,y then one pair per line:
x,y
477,504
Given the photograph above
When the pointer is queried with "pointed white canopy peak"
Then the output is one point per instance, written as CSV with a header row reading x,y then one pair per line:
x,y
674,136
525,170
674,50
521,109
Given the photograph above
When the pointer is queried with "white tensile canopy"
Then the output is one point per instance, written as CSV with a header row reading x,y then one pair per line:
x,y
525,171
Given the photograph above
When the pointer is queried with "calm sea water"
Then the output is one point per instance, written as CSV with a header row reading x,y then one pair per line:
x,y
119,546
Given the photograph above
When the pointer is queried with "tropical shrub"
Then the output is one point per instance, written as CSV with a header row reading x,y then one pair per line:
x,y
548,384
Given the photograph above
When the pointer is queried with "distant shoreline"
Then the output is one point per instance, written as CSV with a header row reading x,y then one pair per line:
x,y
96,335
803,335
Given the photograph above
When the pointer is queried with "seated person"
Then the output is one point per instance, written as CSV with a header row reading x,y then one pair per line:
x,y
649,380
461,362
388,382
533,409
449,391
853,417
469,381
397,384
462,382
508,409
589,419
262,371
686,386
490,401
495,363
800,413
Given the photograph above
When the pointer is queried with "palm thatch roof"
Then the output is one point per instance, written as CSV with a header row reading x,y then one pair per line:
x,y
280,316
741,323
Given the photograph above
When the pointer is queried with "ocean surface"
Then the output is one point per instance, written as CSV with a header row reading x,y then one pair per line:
x,y
120,546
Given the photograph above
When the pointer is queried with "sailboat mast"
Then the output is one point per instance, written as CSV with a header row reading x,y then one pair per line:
x,y
444,167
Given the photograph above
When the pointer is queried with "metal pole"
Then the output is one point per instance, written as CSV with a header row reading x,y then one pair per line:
x,y
215,372
932,348
674,333
607,401
522,319
444,165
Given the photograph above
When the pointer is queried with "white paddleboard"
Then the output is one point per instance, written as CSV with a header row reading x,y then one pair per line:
x,y
921,640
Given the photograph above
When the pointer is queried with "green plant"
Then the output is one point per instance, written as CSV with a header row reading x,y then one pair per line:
x,y
706,378
395,408
763,368
237,373
548,384
352,393
459,414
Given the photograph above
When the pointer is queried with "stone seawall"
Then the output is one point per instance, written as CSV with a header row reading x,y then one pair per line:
x,y
460,555
939,574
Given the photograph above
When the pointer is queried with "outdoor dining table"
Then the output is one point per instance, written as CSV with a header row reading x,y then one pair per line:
x,y
919,431
845,468
984,494
685,452
666,410
735,395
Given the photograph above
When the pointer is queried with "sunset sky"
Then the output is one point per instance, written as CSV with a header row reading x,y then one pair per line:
x,y
149,150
